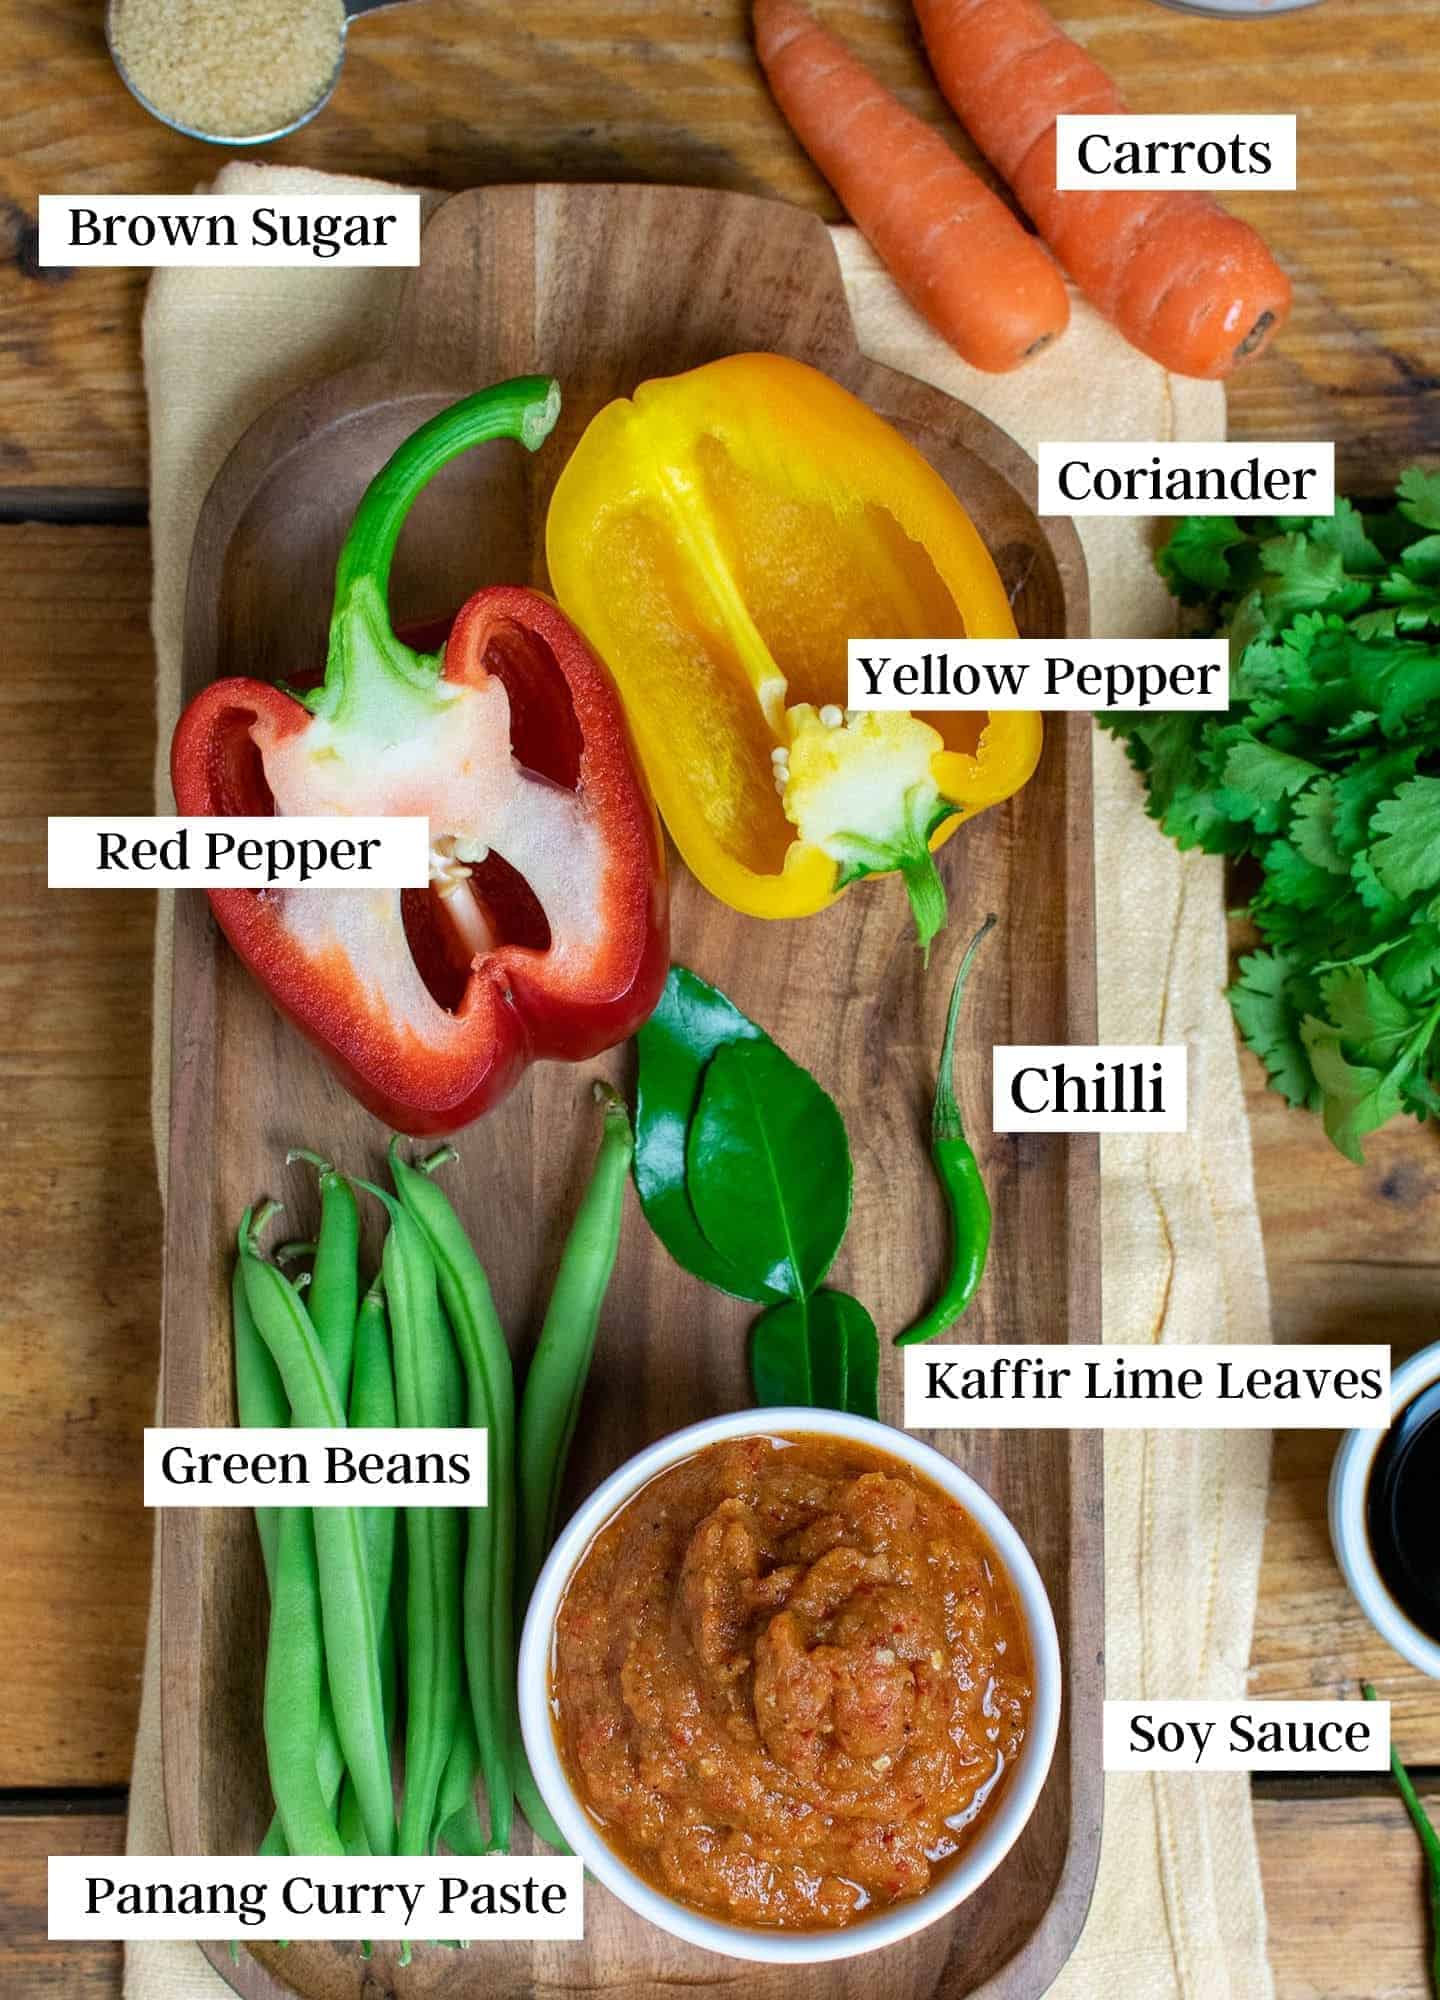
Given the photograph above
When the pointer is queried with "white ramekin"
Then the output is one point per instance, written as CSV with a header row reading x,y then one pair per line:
x,y
1000,1830
1349,1483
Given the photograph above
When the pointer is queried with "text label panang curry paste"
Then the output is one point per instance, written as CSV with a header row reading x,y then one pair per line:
x,y
790,1677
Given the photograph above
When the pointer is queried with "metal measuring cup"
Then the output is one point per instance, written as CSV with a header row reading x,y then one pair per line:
x,y
353,9
1234,10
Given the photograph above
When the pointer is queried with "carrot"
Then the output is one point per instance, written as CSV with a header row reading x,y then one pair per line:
x,y
951,245
1189,285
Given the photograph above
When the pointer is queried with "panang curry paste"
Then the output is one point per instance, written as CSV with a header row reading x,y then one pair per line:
x,y
789,1677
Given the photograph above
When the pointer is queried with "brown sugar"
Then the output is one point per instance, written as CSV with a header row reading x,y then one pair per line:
x,y
237,70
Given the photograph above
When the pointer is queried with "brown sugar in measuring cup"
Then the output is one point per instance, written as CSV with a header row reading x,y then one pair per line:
x,y
233,75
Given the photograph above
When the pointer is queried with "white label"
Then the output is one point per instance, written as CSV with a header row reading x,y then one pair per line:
x,y
1139,1387
315,1468
1247,1735
194,1896
1124,478
1079,1087
244,852
229,229
1198,150
1047,674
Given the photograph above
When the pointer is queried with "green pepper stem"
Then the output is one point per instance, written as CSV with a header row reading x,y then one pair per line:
x,y
945,1119
525,409
927,895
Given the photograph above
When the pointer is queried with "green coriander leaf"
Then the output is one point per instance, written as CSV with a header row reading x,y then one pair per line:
x,y
1360,788
1421,561
1270,1024
1344,533
1167,750
1266,774
1412,963
1367,1013
821,1352
767,1165
1406,854
1357,727
1303,576
1384,908
1291,878
1195,560
1312,828
1357,1097
1420,497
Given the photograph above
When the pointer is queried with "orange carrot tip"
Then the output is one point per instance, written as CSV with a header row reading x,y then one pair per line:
x,y
1187,283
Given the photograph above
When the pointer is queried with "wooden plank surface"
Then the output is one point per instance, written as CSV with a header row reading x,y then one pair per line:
x,y
657,89
81,1209
1344,1895
458,93
30,1965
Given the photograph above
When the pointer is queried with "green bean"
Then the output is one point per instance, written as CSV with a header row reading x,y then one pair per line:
x,y
351,1640
260,1399
457,1823
261,1403
334,1300
555,1383
490,1550
372,1407
294,1678
423,1391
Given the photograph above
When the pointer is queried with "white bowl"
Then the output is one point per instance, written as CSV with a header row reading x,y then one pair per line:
x,y
1349,1484
1000,1829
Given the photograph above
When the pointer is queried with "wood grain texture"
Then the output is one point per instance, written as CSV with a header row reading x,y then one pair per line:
x,y
81,1209
612,285
29,1963
1354,1254
459,93
1344,1894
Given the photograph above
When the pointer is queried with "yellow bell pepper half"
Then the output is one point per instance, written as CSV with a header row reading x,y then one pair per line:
x,y
719,539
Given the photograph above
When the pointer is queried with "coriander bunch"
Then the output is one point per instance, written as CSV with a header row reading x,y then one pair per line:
x,y
1325,772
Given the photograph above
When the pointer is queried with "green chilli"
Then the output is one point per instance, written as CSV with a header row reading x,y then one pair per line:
x,y
958,1172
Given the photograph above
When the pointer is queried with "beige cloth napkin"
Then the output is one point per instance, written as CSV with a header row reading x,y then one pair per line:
x,y
1178,1913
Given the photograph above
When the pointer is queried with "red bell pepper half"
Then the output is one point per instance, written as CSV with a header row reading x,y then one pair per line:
x,y
543,931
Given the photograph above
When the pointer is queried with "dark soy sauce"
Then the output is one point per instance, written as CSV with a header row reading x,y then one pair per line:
x,y
1403,1510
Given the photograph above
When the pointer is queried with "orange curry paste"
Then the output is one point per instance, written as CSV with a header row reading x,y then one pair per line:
x,y
789,1676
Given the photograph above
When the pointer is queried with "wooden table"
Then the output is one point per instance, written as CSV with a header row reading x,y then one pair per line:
x,y
452,95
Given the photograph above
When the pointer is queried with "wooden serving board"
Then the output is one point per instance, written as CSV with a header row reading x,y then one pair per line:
x,y
605,286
